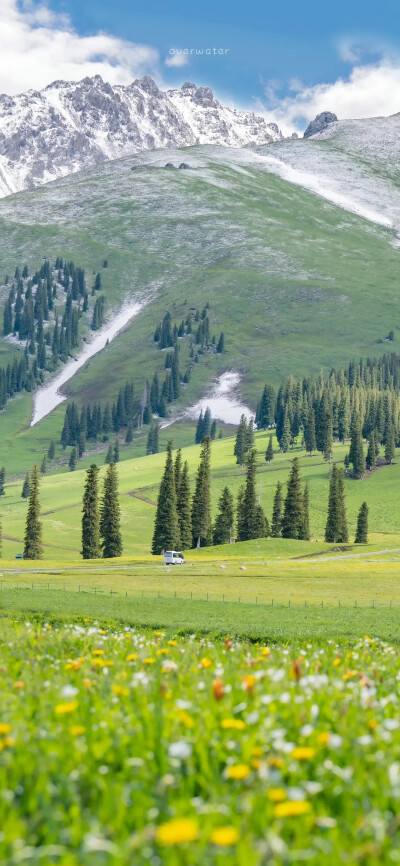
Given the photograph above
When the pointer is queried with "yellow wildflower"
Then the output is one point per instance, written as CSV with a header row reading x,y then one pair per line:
x,y
120,691
8,742
177,831
5,729
102,631
238,772
291,809
172,642
185,719
77,730
127,636
63,709
149,661
224,836
276,795
162,652
303,753
206,663
275,761
131,657
336,661
349,675
265,651
324,738
102,663
234,724
73,666
97,652
249,683
87,683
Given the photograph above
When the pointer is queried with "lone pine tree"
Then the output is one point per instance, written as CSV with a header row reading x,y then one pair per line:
x,y
293,514
183,508
362,525
33,527
251,519
269,454
201,508
224,520
110,517
166,529
356,453
25,487
90,515
276,524
2,481
336,524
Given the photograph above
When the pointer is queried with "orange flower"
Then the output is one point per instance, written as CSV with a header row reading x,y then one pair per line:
x,y
218,689
18,684
296,669
249,683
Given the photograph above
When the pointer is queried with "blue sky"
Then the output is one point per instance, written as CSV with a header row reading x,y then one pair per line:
x,y
269,40
286,59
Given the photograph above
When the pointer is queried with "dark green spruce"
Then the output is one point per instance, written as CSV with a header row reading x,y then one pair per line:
x,y
91,516
166,529
33,527
110,517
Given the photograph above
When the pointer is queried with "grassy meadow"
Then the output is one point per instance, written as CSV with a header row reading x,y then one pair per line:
x,y
121,746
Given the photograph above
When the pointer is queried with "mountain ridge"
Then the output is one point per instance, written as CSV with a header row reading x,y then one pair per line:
x,y
69,126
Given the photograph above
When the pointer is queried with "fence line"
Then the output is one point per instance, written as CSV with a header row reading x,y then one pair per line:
x,y
162,595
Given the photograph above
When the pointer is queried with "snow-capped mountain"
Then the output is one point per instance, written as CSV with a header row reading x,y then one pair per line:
x,y
71,125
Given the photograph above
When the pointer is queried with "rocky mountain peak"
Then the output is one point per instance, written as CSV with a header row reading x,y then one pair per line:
x,y
320,122
69,126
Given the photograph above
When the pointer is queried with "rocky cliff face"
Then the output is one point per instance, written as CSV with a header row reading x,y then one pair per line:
x,y
69,126
320,123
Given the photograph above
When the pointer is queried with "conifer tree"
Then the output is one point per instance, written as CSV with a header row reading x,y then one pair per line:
x,y
166,529
90,516
269,454
356,453
110,517
213,431
177,471
52,450
328,440
251,519
336,524
309,433
43,468
201,509
2,480
293,517
224,520
183,508
109,455
72,459
33,526
285,438
276,525
129,433
343,529
25,487
362,525
390,447
305,534
221,343
116,452
372,452
240,446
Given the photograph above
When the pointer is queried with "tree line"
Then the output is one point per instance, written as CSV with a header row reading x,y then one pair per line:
x,y
184,520
101,519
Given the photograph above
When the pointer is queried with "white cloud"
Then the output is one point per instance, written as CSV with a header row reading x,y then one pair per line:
x,y
370,90
176,60
38,46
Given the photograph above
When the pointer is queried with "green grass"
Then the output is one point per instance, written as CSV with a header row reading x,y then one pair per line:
x,y
109,736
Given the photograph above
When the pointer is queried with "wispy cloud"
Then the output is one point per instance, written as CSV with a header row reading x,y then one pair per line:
x,y
39,46
371,89
176,60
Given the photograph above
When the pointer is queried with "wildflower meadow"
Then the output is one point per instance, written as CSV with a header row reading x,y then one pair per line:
x,y
119,746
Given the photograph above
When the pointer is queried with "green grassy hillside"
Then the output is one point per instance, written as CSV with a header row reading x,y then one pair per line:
x,y
291,279
61,496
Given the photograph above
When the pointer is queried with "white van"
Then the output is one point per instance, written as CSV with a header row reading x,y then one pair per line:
x,y
172,557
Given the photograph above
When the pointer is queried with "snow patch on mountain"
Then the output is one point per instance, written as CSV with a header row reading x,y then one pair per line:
x,y
70,126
